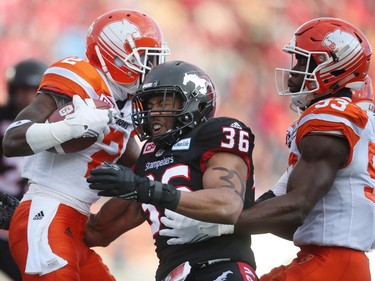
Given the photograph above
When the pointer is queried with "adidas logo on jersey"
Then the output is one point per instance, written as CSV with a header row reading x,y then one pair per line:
x,y
39,216
236,125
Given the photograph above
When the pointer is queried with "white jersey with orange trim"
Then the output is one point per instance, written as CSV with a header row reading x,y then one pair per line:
x,y
63,176
346,215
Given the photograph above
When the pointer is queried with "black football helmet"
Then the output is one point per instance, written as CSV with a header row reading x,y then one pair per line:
x,y
181,80
26,73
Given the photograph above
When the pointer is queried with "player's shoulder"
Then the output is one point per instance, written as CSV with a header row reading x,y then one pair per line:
x,y
73,64
73,76
219,130
218,123
335,109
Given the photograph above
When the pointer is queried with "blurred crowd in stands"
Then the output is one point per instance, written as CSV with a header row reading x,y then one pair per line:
x,y
238,42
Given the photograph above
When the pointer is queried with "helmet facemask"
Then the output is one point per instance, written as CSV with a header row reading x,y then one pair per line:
x,y
172,81
143,117
310,83
138,63
302,97
341,54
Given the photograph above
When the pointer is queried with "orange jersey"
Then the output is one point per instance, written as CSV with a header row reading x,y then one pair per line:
x,y
64,175
345,217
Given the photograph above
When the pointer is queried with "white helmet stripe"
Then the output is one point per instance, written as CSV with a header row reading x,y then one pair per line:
x,y
106,41
347,60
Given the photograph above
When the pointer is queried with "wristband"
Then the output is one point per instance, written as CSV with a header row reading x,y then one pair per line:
x,y
42,136
164,195
226,229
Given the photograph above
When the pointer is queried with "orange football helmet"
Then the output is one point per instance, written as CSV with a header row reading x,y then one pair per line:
x,y
125,44
338,55
364,97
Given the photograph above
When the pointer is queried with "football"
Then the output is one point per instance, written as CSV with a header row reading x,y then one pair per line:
x,y
77,144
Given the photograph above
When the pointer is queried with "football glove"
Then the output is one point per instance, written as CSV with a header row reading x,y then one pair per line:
x,y
88,121
184,230
118,181
8,205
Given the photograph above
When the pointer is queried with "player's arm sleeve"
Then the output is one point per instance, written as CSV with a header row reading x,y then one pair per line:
x,y
227,135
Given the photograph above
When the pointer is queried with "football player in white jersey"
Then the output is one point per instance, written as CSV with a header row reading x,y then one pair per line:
x,y
329,207
47,229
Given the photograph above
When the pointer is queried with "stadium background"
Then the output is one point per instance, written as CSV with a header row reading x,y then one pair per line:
x,y
238,42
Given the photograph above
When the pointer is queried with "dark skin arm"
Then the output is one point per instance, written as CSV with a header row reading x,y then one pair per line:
x,y
131,153
310,180
14,142
225,171
222,198
115,217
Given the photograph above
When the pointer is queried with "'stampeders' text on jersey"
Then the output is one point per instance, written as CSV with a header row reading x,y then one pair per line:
x,y
66,173
183,165
345,217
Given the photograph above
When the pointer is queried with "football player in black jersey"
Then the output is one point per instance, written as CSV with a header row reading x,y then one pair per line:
x,y
22,81
191,163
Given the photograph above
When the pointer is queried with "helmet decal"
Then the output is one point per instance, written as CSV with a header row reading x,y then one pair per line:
x,y
200,83
116,34
339,39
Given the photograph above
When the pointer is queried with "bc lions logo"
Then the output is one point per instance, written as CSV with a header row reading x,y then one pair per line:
x,y
339,39
120,32
200,83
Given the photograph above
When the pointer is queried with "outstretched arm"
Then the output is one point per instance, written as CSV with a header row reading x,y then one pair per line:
x,y
309,181
220,201
182,229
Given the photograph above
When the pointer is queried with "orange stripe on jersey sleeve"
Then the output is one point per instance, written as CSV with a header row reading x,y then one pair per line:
x,y
53,80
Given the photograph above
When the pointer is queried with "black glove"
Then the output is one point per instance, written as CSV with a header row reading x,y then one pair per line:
x,y
118,181
8,205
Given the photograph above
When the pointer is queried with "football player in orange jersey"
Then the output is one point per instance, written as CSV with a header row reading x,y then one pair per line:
x,y
47,229
329,207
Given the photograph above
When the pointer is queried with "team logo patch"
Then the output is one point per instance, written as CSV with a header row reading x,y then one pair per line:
x,y
66,110
183,144
200,83
159,163
149,147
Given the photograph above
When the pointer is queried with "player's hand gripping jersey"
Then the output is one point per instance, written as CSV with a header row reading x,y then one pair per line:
x,y
63,175
346,215
183,165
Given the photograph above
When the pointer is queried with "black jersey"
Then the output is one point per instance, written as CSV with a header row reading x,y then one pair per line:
x,y
183,165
